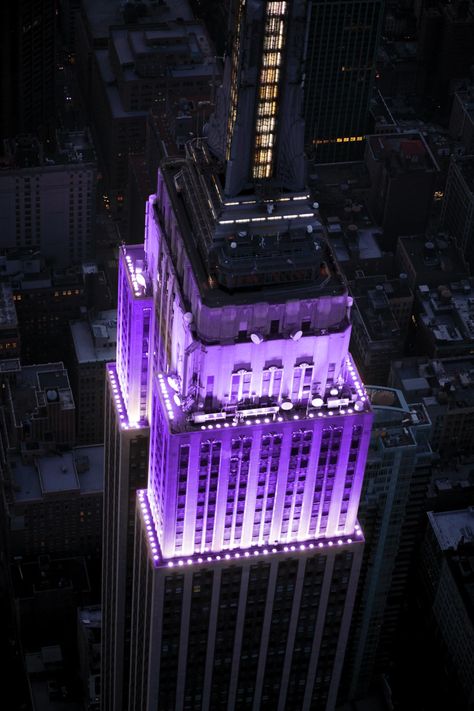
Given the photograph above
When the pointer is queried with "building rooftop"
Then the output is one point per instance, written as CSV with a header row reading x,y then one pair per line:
x,y
57,474
37,386
451,526
372,299
434,260
91,616
446,383
95,339
45,574
144,52
397,423
69,148
79,471
102,14
447,311
402,152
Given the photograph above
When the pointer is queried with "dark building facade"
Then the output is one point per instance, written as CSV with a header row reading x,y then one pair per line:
x,y
28,58
341,40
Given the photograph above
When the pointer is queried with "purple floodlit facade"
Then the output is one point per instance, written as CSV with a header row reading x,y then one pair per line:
x,y
251,443
232,359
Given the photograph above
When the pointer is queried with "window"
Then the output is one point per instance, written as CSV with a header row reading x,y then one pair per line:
x,y
240,385
271,382
302,379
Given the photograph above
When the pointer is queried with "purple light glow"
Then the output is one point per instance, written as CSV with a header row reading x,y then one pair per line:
x,y
134,257
159,561
125,423
232,420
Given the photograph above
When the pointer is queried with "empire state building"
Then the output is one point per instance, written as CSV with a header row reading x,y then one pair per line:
x,y
237,426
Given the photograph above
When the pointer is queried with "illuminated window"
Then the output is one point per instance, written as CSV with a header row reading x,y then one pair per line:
x,y
271,382
265,128
240,385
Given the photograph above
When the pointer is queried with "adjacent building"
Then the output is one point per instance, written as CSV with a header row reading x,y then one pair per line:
x,y
444,47
447,576
338,84
47,197
445,318
233,328
9,329
40,412
94,344
382,312
458,204
446,389
89,633
56,505
47,299
404,176
144,67
391,506
433,260
28,55
461,122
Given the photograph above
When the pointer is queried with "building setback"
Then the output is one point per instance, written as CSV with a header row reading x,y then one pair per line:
x,y
233,328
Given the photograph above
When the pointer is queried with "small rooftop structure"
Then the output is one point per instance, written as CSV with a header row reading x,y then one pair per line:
x,y
447,314
95,339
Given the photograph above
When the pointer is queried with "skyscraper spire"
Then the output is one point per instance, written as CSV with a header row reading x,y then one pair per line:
x,y
258,130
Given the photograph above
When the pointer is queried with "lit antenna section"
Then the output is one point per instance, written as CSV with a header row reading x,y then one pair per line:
x,y
272,58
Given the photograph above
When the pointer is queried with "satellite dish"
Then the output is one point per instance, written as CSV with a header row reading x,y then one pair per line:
x,y
317,402
359,406
177,400
173,382
188,317
296,335
309,229
233,245
286,405
315,205
256,338
141,279
51,395
334,391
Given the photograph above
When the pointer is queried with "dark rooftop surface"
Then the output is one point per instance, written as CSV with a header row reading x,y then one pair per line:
x,y
402,152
